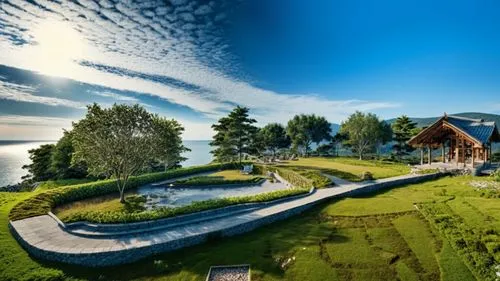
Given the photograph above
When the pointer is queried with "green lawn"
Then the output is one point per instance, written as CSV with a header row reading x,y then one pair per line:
x,y
378,237
349,168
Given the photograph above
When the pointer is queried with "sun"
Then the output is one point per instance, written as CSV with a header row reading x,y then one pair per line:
x,y
57,48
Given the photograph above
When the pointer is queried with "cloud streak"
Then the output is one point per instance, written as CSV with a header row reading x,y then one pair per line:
x,y
173,50
23,93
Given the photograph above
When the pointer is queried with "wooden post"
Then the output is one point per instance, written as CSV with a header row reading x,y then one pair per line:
x,y
485,157
463,152
442,153
422,155
457,144
429,154
473,155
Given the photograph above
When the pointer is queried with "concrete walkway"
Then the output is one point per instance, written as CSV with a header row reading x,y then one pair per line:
x,y
44,238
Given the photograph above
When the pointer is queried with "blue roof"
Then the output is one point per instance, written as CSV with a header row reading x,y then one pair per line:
x,y
476,128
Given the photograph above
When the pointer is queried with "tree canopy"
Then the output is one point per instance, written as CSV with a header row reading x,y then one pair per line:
x,y
404,129
235,135
120,140
364,132
304,130
273,137
169,146
40,168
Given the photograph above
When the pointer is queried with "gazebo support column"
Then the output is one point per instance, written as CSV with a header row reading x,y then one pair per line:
x,y
473,155
429,154
421,155
443,158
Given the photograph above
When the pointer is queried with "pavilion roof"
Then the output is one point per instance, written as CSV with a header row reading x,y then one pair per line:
x,y
477,129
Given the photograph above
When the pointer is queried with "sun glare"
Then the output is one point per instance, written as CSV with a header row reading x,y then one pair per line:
x,y
57,48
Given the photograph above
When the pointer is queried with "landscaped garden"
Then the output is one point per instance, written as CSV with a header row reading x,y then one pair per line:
x,y
452,235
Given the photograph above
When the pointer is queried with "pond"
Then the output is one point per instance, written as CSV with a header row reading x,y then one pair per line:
x,y
165,196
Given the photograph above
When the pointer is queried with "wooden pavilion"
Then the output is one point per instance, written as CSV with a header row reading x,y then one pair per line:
x,y
463,141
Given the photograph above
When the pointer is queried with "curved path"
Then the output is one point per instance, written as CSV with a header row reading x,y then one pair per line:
x,y
43,237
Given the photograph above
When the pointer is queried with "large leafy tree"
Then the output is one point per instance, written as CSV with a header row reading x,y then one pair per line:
x,y
364,132
116,141
304,130
234,135
273,137
403,129
40,168
169,146
61,161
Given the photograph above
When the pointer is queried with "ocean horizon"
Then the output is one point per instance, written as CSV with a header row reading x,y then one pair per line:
x,y
14,154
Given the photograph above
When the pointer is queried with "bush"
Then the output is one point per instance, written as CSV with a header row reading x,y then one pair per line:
x,y
293,178
165,212
207,180
42,203
367,176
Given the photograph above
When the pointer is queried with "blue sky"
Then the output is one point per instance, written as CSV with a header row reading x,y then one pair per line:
x,y
195,60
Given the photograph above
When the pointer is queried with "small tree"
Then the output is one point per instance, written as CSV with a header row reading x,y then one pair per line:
x,y
169,146
403,129
364,132
40,168
234,135
116,141
273,137
304,130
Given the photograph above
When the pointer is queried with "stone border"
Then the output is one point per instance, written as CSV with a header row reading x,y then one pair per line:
x,y
154,225
39,230
230,266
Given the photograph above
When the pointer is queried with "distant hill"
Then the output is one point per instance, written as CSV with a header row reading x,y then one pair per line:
x,y
335,128
424,122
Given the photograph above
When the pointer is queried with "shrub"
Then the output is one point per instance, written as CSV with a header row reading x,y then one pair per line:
x,y
293,178
207,180
367,176
42,203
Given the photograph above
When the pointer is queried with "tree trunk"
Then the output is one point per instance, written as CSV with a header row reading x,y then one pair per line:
x,y
122,196
360,156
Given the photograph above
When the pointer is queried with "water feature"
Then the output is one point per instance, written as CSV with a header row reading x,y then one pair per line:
x,y
166,196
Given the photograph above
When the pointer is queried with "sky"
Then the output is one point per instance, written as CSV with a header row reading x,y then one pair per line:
x,y
196,60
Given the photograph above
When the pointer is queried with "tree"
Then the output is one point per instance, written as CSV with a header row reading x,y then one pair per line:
x,y
273,137
234,135
40,167
169,146
116,141
304,130
403,129
61,160
364,132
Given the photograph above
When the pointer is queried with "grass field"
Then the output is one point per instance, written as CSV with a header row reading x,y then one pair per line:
x,y
350,169
378,237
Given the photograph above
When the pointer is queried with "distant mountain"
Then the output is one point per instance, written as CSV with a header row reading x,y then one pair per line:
x,y
424,122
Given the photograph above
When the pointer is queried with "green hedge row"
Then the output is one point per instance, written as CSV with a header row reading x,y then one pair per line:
x,y
479,248
294,178
42,203
203,181
164,212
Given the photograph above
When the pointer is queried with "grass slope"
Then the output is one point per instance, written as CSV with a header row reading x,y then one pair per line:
x,y
348,168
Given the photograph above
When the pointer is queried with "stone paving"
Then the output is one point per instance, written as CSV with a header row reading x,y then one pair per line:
x,y
44,238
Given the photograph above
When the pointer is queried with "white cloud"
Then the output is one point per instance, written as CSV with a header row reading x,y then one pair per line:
x,y
16,127
23,93
114,96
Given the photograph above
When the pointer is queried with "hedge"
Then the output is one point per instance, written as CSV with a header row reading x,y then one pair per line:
x,y
207,181
294,178
42,203
165,212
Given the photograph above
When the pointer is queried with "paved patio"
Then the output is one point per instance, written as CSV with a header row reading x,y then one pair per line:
x,y
44,238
